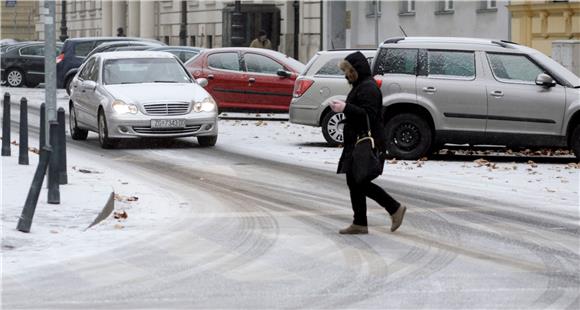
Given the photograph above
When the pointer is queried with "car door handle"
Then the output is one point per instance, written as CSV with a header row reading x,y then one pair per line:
x,y
429,89
497,93
210,76
252,80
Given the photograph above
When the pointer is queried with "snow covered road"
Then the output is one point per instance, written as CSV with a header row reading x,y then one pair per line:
x,y
260,231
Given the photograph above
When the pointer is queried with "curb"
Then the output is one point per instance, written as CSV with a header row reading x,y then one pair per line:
x,y
107,210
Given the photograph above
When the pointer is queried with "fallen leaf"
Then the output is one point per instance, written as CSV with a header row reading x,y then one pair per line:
x,y
550,190
54,232
119,226
122,215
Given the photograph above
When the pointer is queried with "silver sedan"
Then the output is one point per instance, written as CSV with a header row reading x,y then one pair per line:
x,y
140,94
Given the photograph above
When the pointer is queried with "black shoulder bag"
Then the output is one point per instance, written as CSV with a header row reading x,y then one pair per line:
x,y
366,160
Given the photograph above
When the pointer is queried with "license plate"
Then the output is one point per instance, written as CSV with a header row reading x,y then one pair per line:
x,y
167,123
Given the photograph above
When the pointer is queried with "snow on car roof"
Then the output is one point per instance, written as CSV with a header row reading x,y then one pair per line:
x,y
134,54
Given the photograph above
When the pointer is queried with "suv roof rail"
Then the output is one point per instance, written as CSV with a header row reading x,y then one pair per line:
x,y
394,40
350,49
510,42
503,43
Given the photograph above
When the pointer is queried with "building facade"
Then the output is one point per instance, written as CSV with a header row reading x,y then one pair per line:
x,y
539,23
18,18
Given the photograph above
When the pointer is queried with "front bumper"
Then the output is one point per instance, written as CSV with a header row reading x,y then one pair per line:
x,y
139,125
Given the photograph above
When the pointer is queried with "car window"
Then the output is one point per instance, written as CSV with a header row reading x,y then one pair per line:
x,y
331,68
451,64
515,68
33,50
85,72
93,74
185,56
83,48
261,64
144,70
397,61
226,61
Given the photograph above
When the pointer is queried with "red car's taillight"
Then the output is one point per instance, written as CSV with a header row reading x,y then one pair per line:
x,y
59,58
379,81
301,86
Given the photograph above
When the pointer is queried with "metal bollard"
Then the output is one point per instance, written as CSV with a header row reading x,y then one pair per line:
x,y
53,186
23,150
6,126
25,220
63,178
42,137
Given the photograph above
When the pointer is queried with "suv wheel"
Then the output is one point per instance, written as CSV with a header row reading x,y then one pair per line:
x,y
75,132
575,141
408,136
333,128
15,78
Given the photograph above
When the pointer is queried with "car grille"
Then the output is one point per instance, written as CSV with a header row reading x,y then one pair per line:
x,y
166,131
167,108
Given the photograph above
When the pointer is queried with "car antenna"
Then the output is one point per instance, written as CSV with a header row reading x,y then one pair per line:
x,y
403,31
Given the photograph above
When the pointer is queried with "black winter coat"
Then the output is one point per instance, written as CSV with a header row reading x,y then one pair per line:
x,y
365,98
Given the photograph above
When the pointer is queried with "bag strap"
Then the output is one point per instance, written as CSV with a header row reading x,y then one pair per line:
x,y
368,125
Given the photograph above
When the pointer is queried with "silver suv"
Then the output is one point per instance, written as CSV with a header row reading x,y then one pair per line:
x,y
319,83
474,91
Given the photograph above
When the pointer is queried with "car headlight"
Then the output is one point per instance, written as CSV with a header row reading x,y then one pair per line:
x,y
206,105
121,107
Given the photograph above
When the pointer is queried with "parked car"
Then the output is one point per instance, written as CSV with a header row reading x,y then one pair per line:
x,y
321,82
184,53
137,95
74,53
116,45
474,91
247,78
23,63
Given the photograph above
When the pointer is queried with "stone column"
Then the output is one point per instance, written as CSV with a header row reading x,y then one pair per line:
x,y
119,16
147,19
106,20
133,15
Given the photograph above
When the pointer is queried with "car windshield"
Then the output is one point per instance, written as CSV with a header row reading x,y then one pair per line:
x,y
144,70
558,69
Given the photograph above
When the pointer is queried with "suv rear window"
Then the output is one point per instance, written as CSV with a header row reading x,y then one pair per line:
x,y
451,64
397,61
82,49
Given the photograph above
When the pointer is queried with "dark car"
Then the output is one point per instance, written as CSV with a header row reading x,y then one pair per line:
x,y
23,63
116,45
75,51
247,78
184,53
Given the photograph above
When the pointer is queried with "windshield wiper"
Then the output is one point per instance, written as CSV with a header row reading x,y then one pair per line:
x,y
164,81
130,82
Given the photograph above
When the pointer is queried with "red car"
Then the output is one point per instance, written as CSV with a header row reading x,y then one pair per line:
x,y
247,78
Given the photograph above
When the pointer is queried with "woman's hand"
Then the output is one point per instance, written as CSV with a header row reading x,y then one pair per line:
x,y
337,106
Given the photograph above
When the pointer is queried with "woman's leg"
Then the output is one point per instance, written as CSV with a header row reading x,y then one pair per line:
x,y
358,200
379,195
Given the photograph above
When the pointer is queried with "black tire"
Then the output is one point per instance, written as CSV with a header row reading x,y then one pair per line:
x,y
75,132
67,84
104,140
408,136
575,141
332,128
31,84
206,141
15,78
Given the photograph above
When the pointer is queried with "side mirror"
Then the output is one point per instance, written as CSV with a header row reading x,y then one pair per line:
x,y
283,73
545,80
92,85
202,82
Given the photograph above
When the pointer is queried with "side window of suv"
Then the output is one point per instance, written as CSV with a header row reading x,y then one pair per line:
x,y
397,61
225,61
513,68
455,64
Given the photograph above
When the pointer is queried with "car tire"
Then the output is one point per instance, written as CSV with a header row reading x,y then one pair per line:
x,y
104,140
31,85
15,78
206,141
75,132
67,85
332,128
408,136
575,141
